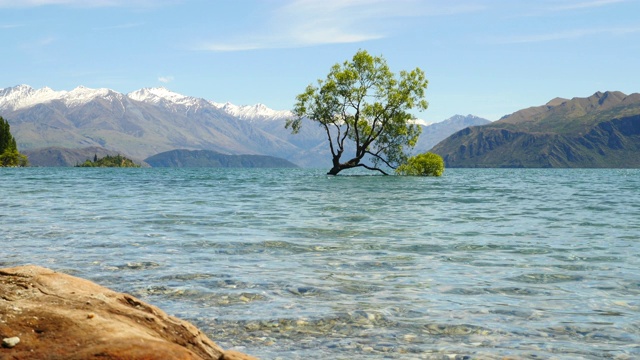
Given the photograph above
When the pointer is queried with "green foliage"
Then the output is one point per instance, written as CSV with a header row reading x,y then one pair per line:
x,y
109,161
9,155
366,103
427,164
6,139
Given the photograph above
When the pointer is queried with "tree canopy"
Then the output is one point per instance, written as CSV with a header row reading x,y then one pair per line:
x,y
9,155
363,108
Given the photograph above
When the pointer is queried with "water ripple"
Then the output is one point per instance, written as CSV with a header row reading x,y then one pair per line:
x,y
477,264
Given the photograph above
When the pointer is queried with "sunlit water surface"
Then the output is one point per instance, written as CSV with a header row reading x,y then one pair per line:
x,y
477,264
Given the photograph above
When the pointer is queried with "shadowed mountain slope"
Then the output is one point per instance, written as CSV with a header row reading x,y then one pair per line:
x,y
602,130
208,158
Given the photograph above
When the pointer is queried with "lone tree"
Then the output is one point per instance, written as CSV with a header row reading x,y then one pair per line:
x,y
9,155
364,102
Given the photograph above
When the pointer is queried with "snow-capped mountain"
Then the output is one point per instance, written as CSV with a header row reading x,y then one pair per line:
x,y
148,121
433,133
422,122
24,96
253,112
160,94
163,97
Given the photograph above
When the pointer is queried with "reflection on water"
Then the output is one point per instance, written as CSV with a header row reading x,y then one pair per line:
x,y
478,264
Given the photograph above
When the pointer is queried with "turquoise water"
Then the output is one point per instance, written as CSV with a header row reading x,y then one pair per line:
x,y
478,264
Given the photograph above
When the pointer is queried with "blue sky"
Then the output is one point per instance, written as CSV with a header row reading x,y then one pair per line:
x,y
482,57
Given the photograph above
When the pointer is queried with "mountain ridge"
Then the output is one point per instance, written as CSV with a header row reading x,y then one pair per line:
x,y
436,132
141,123
149,121
23,96
209,158
601,130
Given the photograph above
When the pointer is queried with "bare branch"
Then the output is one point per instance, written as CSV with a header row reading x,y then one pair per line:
x,y
372,168
381,159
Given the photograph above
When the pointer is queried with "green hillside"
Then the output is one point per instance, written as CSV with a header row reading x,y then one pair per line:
x,y
600,131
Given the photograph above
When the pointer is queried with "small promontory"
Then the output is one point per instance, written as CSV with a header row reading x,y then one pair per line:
x,y
50,315
208,158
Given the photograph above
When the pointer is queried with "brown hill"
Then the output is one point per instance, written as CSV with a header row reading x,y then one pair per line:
x,y
602,130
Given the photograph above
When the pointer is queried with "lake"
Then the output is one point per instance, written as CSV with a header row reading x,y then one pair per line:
x,y
294,264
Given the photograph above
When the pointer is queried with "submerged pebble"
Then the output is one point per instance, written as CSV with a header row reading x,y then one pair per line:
x,y
10,342
484,263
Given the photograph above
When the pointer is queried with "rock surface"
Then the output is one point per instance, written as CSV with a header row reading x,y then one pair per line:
x,y
58,316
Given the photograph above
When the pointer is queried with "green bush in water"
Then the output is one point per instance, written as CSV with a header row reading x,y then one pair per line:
x,y
427,164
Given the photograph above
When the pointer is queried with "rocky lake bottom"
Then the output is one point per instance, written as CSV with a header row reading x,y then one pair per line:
x,y
291,263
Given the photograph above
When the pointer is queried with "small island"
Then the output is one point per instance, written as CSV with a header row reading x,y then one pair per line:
x,y
109,161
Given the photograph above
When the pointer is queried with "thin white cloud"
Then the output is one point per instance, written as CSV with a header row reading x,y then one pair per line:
x,y
165,79
585,4
9,27
119,26
235,46
83,3
567,35
300,23
39,43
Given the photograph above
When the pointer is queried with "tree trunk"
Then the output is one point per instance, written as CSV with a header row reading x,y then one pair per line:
x,y
337,166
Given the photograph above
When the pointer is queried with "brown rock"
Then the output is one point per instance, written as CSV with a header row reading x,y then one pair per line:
x,y
58,316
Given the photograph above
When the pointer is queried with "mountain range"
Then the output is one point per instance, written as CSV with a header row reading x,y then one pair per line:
x,y
150,121
602,130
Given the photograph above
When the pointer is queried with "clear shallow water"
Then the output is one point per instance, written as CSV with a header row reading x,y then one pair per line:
x,y
289,264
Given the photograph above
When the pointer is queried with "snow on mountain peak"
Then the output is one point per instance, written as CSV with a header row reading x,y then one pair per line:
x,y
154,95
81,95
159,95
22,96
421,122
252,112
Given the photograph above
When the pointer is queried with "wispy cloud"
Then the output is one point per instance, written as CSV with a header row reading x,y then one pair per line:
x,y
165,79
584,4
39,43
83,3
120,26
300,23
566,35
10,26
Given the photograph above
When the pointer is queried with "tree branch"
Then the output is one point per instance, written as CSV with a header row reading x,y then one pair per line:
x,y
328,131
372,168
385,161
